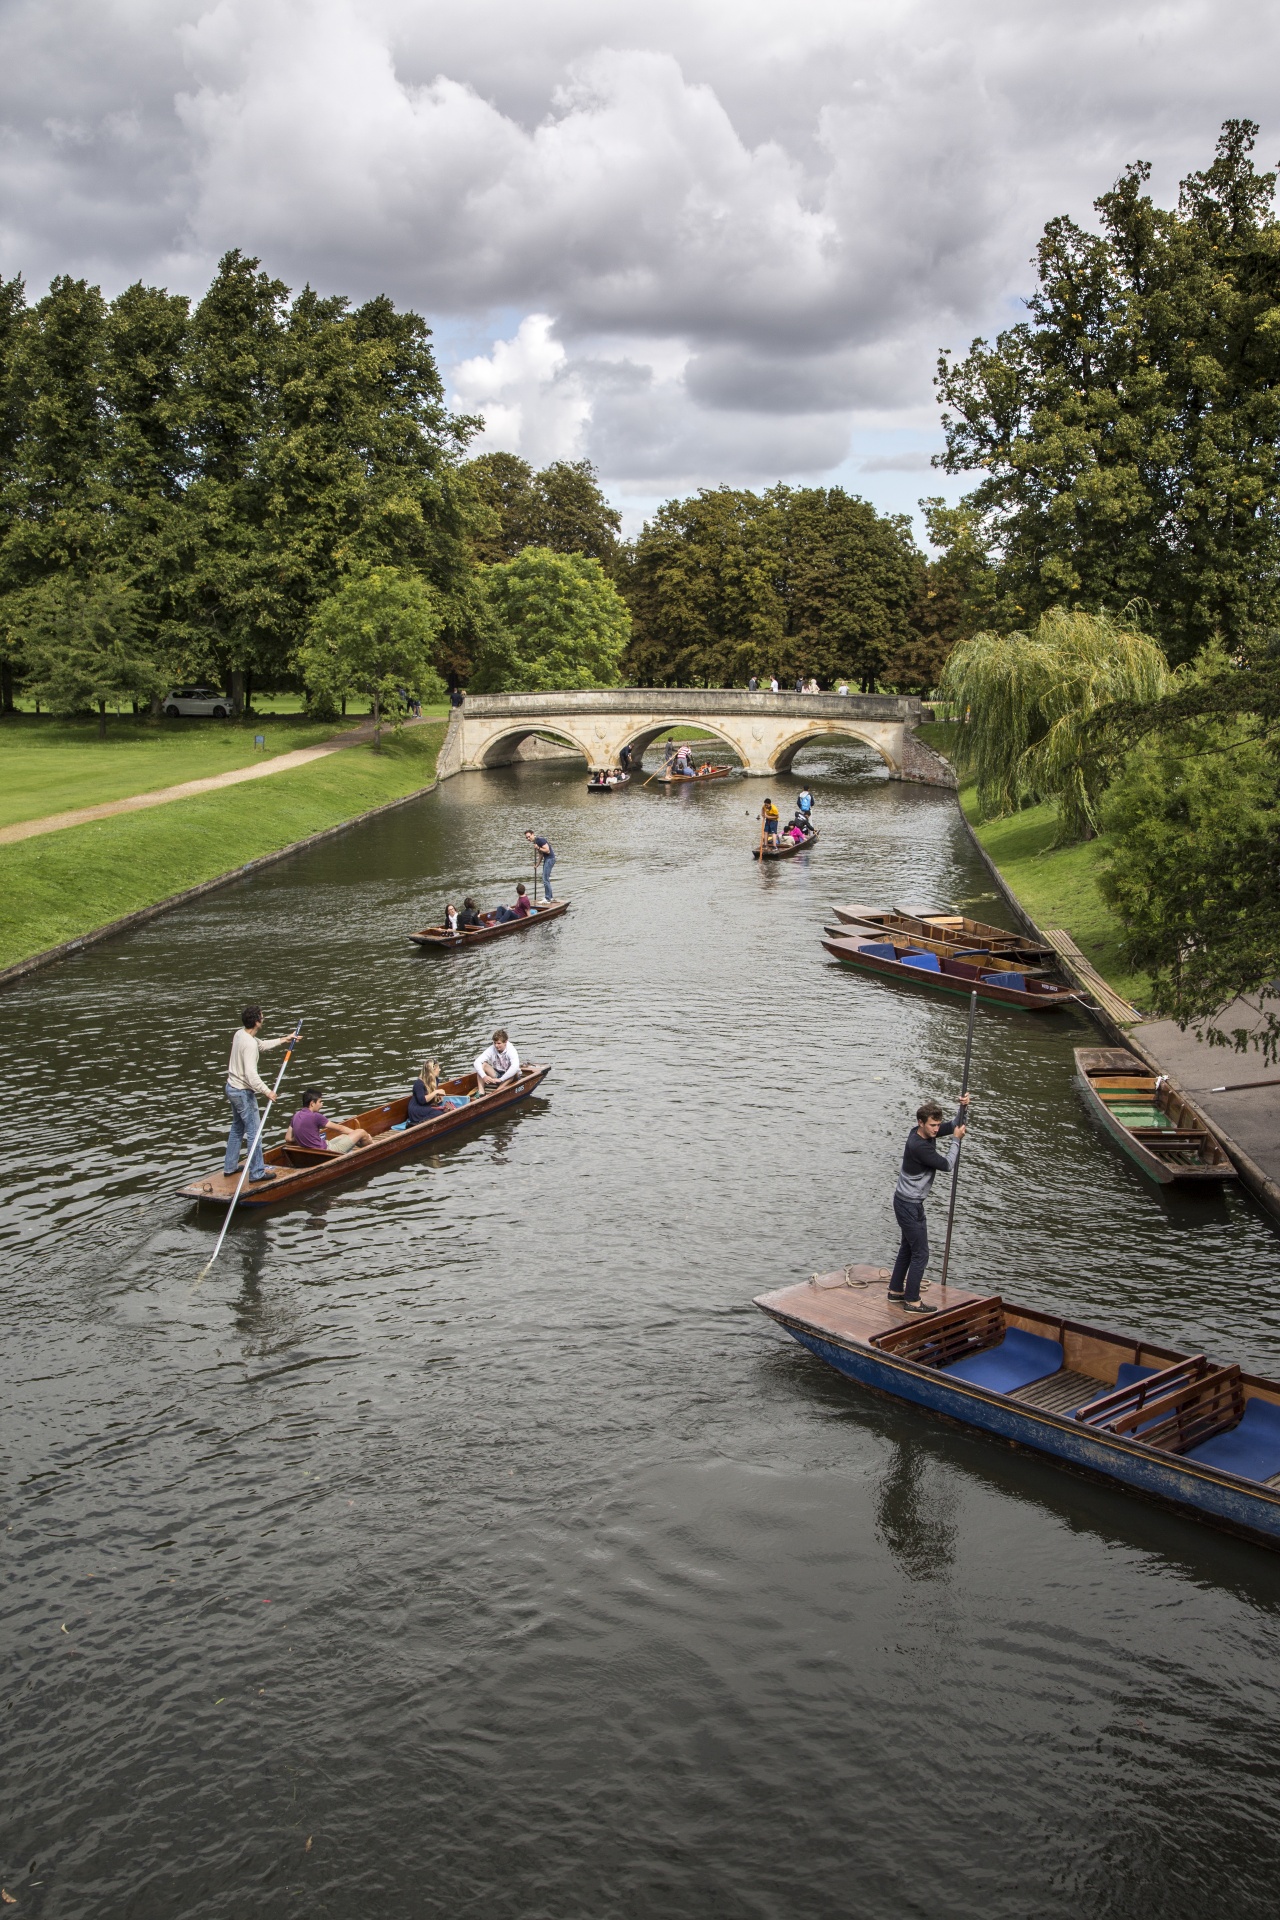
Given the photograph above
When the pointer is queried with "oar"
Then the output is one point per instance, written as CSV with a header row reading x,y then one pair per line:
x,y
955,1165
288,1055
760,855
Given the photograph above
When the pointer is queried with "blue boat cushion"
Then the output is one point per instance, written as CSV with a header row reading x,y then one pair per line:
x,y
1019,1359
927,962
1129,1372
1017,980
879,950
1251,1449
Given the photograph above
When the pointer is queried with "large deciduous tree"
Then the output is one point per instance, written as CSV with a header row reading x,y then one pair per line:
x,y
556,621
1128,432
561,507
83,648
375,636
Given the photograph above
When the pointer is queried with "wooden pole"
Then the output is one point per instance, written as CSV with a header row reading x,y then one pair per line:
x,y
293,1041
955,1165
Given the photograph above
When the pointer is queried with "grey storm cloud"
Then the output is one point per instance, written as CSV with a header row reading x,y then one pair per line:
x,y
705,243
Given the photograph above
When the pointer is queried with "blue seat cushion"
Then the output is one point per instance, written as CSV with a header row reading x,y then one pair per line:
x,y
927,962
1251,1449
879,950
1016,980
1019,1359
1126,1375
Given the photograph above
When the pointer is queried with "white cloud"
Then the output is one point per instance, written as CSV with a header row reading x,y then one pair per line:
x,y
704,242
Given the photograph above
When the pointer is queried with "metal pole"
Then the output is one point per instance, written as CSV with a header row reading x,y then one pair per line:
x,y
293,1041
955,1165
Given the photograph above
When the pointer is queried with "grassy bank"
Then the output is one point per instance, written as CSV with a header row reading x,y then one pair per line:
x,y
50,765
1057,886
63,885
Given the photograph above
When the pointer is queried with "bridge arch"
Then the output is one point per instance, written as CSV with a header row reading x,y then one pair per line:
x,y
503,746
783,755
640,739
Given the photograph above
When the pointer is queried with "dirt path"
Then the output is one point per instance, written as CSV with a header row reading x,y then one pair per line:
x,y
134,803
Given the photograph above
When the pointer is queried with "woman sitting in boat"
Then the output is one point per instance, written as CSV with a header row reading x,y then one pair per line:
x,y
425,1102
470,916
450,917
310,1127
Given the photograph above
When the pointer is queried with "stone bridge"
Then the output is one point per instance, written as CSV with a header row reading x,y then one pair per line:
x,y
765,730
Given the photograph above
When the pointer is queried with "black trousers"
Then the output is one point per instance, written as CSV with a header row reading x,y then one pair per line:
x,y
913,1254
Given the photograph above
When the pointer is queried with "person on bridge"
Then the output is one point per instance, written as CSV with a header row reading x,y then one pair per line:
x,y
799,683
545,858
921,1160
773,683
753,685
497,1064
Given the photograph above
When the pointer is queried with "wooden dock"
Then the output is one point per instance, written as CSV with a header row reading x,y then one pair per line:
x,y
1122,1011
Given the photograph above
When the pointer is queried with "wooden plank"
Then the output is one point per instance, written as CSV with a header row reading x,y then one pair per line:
x,y
1122,1011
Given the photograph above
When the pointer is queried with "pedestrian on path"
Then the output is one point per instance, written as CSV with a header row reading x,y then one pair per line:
x,y
243,1082
921,1160
546,858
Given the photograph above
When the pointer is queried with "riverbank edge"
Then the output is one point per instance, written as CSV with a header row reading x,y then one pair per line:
x,y
1263,1188
35,962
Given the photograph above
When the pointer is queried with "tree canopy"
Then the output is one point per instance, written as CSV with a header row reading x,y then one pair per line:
x,y
1128,432
561,507
556,622
375,636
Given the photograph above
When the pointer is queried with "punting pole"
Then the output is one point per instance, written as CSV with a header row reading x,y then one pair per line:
x,y
288,1055
955,1165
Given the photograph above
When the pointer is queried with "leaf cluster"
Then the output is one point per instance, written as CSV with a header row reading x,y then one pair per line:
x,y
556,621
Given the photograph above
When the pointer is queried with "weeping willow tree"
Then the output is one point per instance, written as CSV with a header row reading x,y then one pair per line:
x,y
1026,701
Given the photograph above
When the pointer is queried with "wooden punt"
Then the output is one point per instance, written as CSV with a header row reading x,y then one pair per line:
x,y
300,1170
939,968
1178,1427
1149,1119
607,786
702,774
474,936
955,928
787,851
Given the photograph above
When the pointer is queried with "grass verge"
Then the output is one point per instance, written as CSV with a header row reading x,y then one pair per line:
x,y
1057,886
51,765
63,885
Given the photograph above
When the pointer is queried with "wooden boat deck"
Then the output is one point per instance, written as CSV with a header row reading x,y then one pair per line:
x,y
1121,1010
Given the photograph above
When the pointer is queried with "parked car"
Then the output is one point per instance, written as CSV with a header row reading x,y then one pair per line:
x,y
197,700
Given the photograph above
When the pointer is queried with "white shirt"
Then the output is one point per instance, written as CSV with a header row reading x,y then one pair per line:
x,y
489,1058
242,1068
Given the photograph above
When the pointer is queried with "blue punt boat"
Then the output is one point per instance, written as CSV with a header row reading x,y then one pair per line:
x,y
943,968
1177,1427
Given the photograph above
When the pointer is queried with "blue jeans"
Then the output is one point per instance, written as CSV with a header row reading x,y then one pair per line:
x,y
244,1126
913,1254
549,861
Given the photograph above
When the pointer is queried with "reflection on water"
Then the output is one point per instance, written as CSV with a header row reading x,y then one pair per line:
x,y
469,1521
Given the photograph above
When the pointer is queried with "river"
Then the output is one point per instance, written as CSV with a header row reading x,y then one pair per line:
x,y
467,1544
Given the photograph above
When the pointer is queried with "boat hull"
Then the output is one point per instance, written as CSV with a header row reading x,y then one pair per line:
x,y
1219,1499
957,986
1164,1172
784,853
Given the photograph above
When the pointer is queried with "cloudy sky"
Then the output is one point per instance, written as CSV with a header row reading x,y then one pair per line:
x,y
702,241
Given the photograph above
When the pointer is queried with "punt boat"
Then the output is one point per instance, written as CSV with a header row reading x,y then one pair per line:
x,y
785,849
1179,1427
474,936
954,928
302,1170
607,782
1149,1119
941,968
708,772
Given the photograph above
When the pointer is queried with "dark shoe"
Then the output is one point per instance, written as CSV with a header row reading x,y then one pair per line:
x,y
917,1306
895,1299
262,1179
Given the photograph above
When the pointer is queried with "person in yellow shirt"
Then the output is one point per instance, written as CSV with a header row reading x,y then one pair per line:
x,y
769,822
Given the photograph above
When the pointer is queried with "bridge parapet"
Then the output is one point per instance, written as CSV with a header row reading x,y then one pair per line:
x,y
765,730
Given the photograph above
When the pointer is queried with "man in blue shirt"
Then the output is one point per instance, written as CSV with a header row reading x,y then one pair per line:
x,y
921,1160
546,856
804,805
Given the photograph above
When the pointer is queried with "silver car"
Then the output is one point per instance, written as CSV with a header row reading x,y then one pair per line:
x,y
202,701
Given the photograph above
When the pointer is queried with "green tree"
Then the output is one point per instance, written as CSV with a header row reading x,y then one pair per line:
x,y
375,636
557,621
13,322
1128,433
848,579
1026,701
561,507
83,648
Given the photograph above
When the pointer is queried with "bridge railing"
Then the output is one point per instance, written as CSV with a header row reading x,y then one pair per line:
x,y
689,702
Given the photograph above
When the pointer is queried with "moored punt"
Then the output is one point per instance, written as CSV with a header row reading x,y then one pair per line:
x,y
301,1170
1154,1124
933,965
953,928
441,937
1178,1427
785,849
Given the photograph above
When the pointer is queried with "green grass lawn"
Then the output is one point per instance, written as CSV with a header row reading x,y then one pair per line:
x,y
1058,886
62,885
50,765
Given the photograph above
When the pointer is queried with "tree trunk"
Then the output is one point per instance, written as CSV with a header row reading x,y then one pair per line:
x,y
157,706
102,719
344,706
377,726
248,692
6,687
236,690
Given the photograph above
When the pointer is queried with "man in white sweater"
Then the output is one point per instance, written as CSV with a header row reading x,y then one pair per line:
x,y
243,1083
497,1064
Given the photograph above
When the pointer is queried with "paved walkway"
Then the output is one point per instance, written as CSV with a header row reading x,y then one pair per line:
x,y
281,763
